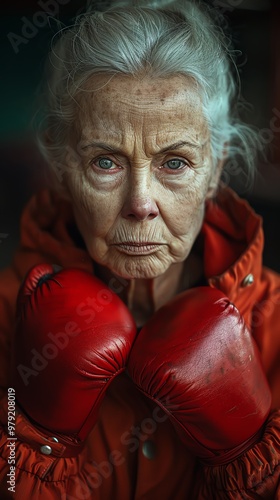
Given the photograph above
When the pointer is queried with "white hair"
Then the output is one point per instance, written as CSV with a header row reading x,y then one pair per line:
x,y
154,38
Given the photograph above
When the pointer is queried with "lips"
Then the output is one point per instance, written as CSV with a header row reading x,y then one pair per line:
x,y
138,248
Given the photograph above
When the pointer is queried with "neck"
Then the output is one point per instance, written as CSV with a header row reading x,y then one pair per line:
x,y
145,296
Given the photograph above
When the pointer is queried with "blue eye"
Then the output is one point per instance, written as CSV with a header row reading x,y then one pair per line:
x,y
105,163
175,164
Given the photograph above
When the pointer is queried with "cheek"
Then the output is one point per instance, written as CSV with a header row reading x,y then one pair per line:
x,y
185,228
183,208
95,213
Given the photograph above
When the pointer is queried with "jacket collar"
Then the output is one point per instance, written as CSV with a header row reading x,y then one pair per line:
x,y
233,247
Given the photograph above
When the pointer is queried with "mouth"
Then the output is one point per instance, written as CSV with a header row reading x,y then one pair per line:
x,y
138,248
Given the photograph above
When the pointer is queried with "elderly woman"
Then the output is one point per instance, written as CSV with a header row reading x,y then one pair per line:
x,y
143,358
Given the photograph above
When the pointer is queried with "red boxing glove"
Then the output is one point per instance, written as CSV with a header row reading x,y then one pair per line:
x,y
73,337
198,361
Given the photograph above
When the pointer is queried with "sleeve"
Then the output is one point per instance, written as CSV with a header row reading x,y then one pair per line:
x,y
27,473
5,313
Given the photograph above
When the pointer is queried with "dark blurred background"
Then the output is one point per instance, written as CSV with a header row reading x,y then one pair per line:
x,y
25,39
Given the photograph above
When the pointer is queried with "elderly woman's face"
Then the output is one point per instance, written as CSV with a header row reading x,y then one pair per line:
x,y
139,193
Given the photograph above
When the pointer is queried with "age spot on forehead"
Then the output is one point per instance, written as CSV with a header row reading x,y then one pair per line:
x,y
123,105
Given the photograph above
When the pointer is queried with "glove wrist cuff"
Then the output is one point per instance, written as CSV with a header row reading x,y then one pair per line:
x,y
43,440
234,453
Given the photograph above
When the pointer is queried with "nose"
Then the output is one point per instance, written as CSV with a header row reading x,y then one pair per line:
x,y
140,204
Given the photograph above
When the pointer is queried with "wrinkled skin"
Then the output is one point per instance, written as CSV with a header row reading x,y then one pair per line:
x,y
140,185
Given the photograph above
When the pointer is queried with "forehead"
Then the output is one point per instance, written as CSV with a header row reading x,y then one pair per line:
x,y
160,104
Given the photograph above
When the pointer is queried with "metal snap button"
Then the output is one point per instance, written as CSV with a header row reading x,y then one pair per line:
x,y
46,449
248,280
149,449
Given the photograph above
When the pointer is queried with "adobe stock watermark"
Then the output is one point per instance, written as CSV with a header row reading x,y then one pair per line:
x,y
31,27
11,440
226,5
58,341
264,310
266,136
3,237
132,439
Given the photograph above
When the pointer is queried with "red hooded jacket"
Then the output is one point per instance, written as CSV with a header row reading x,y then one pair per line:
x,y
123,459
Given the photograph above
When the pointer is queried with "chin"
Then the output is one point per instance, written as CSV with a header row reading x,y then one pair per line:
x,y
143,268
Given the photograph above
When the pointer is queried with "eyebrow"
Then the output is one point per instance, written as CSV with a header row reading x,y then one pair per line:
x,y
174,146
